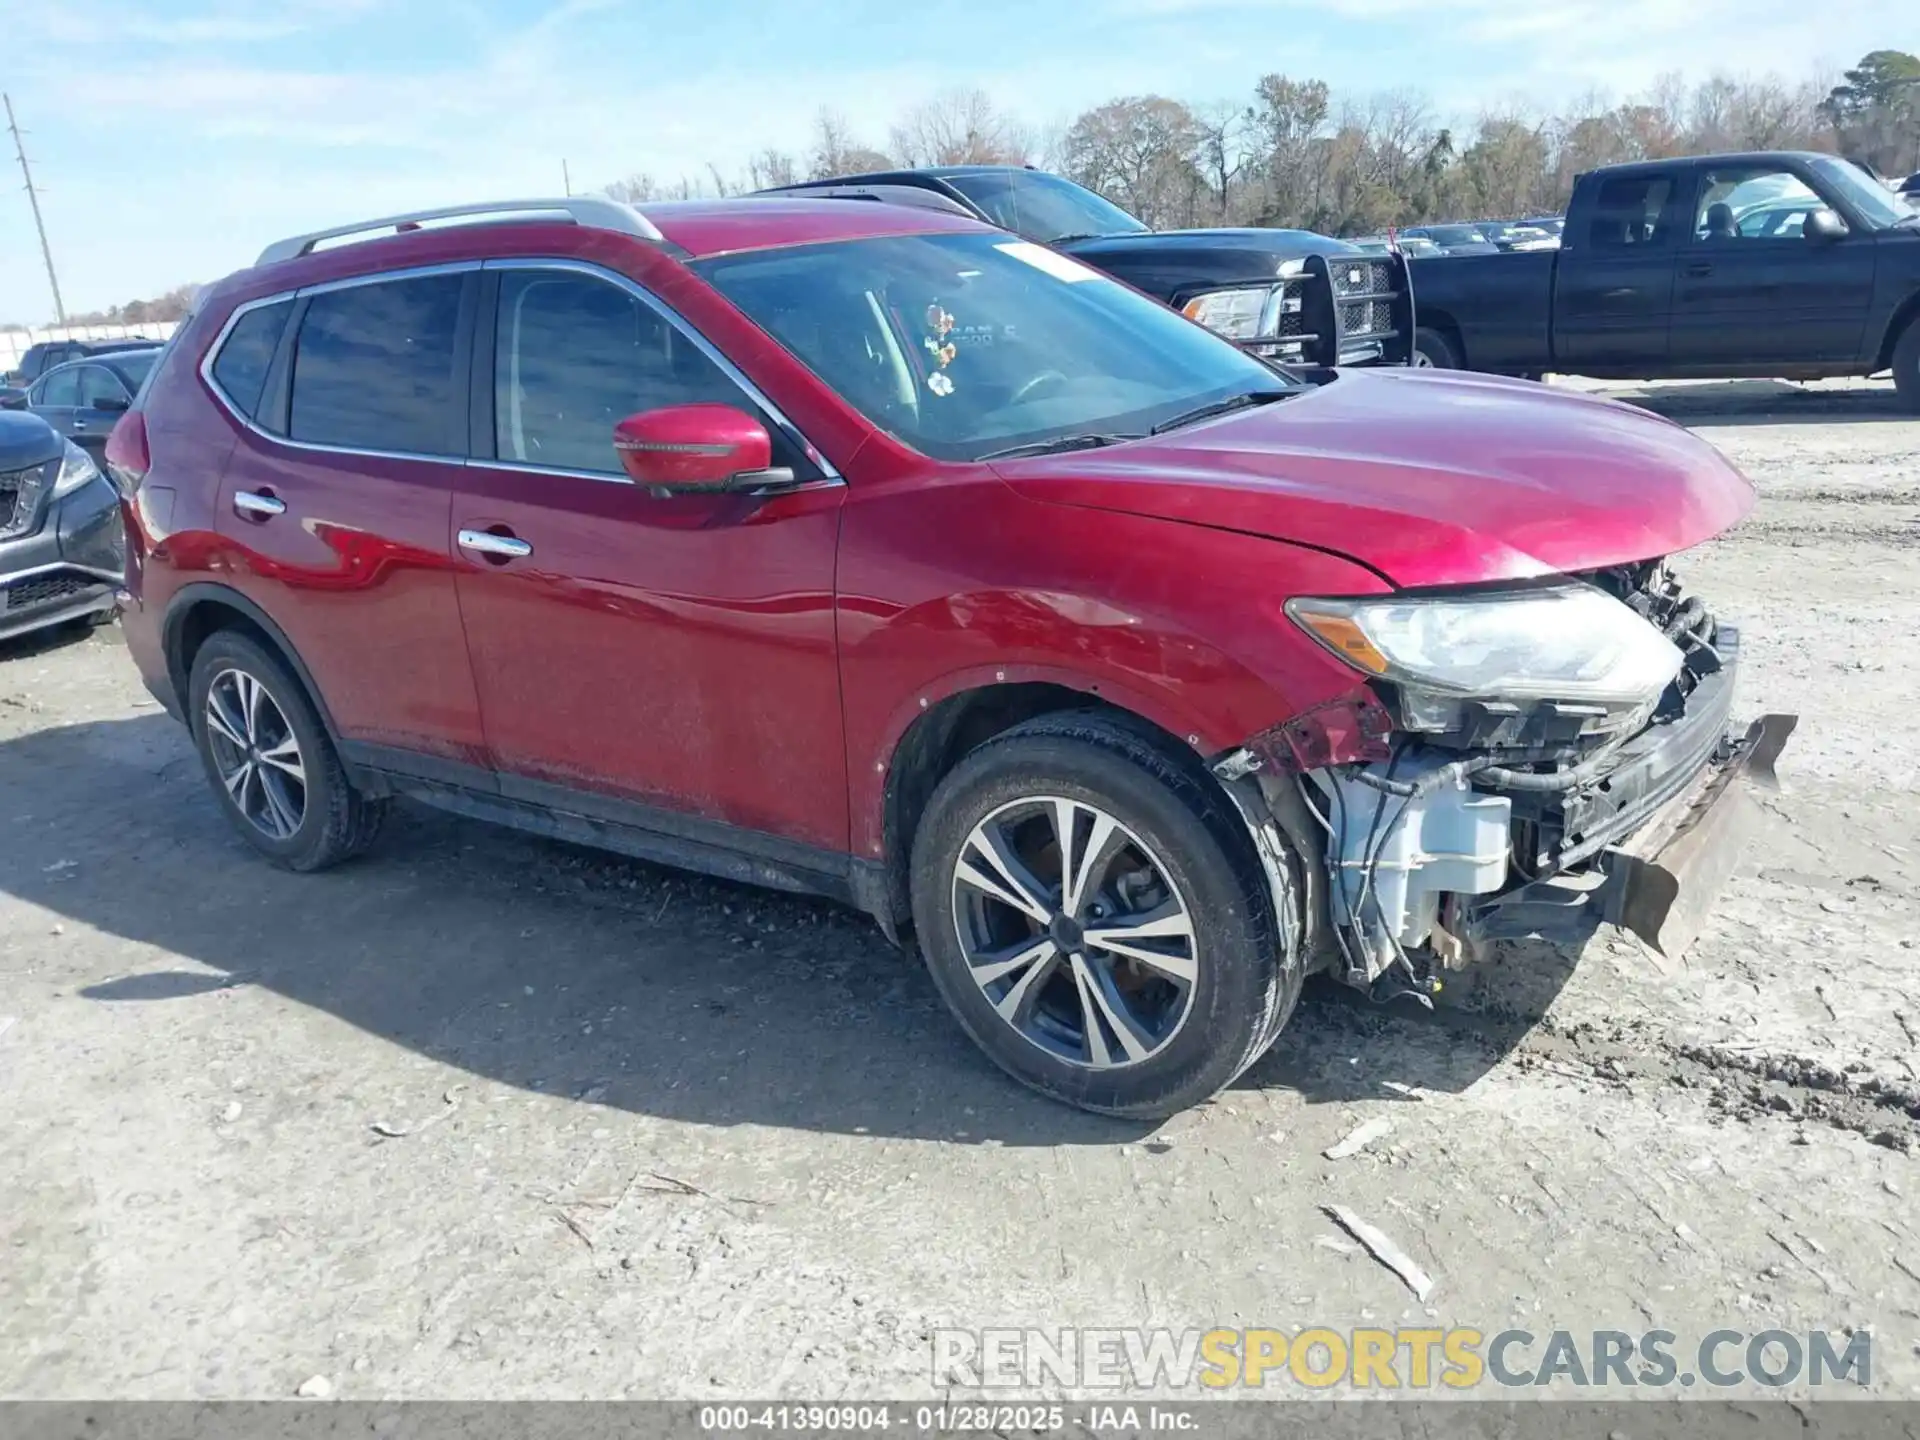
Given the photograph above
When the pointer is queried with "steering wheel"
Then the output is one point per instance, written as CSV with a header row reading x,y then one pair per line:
x,y
1040,381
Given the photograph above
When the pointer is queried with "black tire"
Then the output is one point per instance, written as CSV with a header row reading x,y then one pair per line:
x,y
1906,365
336,821
1436,347
1243,989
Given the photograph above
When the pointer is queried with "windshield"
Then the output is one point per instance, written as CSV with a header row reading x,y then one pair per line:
x,y
1042,207
1876,204
967,344
1455,235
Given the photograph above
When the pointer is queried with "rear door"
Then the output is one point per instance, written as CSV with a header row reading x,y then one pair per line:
x,y
54,396
1752,288
337,500
1613,280
102,399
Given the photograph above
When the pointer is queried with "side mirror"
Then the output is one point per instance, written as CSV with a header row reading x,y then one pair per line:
x,y
697,449
110,403
11,399
1823,225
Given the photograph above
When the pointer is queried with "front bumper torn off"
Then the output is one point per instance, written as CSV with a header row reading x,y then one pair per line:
x,y
1661,881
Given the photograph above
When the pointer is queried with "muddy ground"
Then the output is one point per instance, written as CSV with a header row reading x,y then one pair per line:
x,y
484,1116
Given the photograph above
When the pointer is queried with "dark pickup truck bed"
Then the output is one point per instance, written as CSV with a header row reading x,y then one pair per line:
x,y
1780,264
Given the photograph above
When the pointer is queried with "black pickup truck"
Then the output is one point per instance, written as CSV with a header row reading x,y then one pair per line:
x,y
1292,295
1781,264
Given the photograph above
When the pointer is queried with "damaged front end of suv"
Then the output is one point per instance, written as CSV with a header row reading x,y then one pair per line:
x,y
1519,762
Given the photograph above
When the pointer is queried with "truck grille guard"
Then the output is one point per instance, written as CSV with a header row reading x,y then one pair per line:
x,y
1345,310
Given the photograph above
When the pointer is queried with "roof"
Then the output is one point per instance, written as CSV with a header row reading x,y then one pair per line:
x,y
717,227
1745,157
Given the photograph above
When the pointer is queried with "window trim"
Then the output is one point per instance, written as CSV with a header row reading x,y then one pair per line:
x,y
467,338
301,293
829,475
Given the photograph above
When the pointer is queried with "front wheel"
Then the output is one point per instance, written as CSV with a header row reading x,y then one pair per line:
x,y
1093,914
1434,350
1906,365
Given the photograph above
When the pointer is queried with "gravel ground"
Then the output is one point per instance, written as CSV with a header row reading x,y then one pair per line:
x,y
483,1116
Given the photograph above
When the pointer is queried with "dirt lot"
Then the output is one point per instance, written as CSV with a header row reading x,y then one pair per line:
x,y
649,1135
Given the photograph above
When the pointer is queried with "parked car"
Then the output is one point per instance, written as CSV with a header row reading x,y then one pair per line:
x,y
1554,225
873,552
44,355
1655,278
62,554
1284,293
1454,239
1413,247
83,399
1508,238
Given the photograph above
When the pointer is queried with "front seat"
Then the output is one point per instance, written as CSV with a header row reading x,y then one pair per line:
x,y
1720,222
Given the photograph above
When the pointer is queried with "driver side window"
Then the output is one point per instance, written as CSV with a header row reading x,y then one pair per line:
x,y
97,384
62,387
574,356
1752,203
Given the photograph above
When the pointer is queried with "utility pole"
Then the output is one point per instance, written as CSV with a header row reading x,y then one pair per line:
x,y
33,199
566,180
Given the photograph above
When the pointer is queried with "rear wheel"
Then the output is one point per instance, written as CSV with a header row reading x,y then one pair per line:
x,y
1434,350
1906,364
1092,913
269,760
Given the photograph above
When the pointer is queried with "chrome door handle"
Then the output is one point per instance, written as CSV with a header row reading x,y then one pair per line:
x,y
249,502
485,542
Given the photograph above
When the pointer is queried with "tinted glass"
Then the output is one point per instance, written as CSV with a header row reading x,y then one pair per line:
x,y
574,356
240,368
963,345
1041,206
59,387
1877,205
373,367
1628,210
98,383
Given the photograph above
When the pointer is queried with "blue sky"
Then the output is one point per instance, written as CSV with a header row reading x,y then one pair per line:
x,y
174,138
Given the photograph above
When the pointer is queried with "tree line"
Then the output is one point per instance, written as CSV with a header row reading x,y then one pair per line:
x,y
1298,154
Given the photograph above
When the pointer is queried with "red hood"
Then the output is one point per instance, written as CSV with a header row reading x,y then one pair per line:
x,y
1430,477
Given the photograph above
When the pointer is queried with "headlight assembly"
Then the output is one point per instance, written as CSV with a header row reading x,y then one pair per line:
x,y
1571,643
1238,314
76,469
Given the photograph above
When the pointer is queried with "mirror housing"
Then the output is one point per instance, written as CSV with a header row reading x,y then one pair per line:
x,y
697,449
1823,225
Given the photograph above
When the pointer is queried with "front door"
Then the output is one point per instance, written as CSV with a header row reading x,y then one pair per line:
x,y
663,662
1753,289
102,400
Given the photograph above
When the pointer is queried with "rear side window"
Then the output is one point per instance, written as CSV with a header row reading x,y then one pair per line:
x,y
1628,210
240,369
373,367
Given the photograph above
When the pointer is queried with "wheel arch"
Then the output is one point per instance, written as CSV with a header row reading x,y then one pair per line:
x,y
1905,314
200,610
1443,324
965,715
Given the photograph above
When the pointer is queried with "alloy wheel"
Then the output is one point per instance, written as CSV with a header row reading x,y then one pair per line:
x,y
256,754
1075,932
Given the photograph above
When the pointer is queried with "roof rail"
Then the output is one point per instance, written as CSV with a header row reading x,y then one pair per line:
x,y
595,211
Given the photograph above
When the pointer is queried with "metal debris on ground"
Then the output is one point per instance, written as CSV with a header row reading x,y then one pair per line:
x,y
1360,1138
386,1130
1383,1249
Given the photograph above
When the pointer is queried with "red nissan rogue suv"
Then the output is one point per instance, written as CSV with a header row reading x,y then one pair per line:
x,y
874,553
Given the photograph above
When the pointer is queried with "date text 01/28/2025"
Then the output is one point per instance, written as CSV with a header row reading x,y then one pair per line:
x,y
945,1419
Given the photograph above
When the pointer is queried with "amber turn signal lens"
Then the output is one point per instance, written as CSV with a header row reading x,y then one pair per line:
x,y
1341,635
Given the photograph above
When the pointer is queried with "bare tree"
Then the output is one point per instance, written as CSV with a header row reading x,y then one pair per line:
x,y
635,189
960,127
835,150
1143,152
770,169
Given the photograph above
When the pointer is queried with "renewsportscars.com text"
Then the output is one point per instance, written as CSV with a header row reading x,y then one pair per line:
x,y
1461,1358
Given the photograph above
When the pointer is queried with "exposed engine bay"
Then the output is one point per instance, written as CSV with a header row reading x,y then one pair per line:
x,y
1468,819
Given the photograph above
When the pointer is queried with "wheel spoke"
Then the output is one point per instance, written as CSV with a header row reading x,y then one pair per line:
x,y
236,782
285,757
1014,1005
989,968
1169,922
1079,880
1097,1004
250,689
281,816
221,717
1004,877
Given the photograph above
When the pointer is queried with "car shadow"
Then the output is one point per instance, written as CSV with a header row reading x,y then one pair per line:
x,y
570,972
1766,402
45,640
